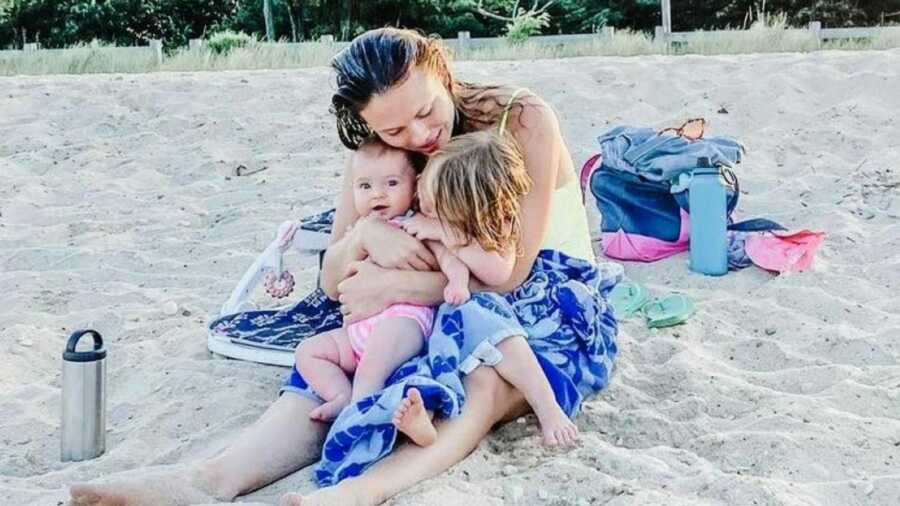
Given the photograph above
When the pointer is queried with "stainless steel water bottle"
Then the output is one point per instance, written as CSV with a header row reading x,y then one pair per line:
x,y
83,399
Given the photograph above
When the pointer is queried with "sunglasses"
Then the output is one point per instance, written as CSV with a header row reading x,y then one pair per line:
x,y
691,129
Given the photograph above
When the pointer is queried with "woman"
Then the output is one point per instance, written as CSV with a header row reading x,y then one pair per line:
x,y
397,85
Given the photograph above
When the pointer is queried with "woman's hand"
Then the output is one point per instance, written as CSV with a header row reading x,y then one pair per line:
x,y
365,291
393,248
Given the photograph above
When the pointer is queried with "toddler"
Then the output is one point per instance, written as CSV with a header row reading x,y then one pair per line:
x,y
470,196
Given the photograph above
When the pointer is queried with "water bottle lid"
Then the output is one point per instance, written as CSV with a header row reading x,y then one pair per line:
x,y
98,353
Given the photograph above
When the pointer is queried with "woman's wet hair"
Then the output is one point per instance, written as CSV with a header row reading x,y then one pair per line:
x,y
374,62
380,59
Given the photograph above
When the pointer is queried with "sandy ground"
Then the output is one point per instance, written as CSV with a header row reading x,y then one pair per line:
x,y
116,199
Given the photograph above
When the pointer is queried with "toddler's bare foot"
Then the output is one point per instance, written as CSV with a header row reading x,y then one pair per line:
x,y
557,428
330,410
170,487
412,419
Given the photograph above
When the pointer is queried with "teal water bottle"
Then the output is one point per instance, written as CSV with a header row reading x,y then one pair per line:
x,y
708,201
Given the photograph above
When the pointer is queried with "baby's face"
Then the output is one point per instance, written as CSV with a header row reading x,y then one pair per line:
x,y
383,185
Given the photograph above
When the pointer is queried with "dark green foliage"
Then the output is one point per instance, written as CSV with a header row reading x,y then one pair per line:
x,y
58,23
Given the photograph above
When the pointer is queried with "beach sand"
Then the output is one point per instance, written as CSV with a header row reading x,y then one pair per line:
x,y
117,199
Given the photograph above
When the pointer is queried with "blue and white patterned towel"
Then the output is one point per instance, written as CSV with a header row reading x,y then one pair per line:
x,y
561,309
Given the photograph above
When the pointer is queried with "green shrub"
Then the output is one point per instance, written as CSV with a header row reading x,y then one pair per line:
x,y
223,43
525,25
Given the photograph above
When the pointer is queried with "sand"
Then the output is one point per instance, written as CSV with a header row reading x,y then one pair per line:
x,y
117,200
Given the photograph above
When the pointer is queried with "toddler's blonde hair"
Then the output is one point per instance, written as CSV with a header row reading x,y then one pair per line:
x,y
476,183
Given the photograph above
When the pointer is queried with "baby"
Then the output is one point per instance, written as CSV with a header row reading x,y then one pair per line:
x,y
470,196
384,185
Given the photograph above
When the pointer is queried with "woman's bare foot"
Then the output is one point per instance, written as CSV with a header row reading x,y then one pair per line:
x,y
330,410
412,419
557,428
172,486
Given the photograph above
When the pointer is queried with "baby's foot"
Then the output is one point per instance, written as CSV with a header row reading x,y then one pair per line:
x,y
412,419
328,411
456,294
557,428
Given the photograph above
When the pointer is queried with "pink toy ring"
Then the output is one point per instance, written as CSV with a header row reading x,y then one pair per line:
x,y
279,287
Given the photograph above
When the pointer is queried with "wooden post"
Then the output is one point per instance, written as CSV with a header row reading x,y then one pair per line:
x,y
462,41
194,44
816,28
667,16
33,46
608,32
156,46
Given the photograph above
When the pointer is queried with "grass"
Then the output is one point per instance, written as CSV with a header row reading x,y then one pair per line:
x,y
774,36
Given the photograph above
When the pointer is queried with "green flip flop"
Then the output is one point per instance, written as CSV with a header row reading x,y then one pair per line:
x,y
669,310
628,298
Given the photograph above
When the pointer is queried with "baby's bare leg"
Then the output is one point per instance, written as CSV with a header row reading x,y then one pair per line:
x,y
324,361
393,341
521,368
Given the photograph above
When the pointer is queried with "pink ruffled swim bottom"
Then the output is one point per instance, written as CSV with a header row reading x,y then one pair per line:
x,y
361,331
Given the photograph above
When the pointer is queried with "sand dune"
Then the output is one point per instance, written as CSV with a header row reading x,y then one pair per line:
x,y
117,198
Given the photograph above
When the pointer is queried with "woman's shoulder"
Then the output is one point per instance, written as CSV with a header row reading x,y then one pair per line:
x,y
486,105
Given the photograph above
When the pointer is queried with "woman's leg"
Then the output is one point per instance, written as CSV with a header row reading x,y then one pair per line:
x,y
283,440
489,400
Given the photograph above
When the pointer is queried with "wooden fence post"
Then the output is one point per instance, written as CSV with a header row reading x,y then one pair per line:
x,y
462,41
156,46
816,28
659,37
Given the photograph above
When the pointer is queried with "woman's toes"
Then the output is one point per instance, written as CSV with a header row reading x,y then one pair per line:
x,y
291,499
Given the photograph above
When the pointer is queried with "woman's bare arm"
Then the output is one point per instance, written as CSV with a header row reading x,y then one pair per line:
x,y
343,248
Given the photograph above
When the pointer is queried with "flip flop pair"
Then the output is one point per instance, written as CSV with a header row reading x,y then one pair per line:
x,y
628,298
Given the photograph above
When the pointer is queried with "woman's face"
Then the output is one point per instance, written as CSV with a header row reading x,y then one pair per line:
x,y
416,115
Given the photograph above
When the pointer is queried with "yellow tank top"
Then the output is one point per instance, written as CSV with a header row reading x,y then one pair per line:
x,y
567,228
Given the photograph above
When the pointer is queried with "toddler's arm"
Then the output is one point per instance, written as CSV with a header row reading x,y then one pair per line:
x,y
457,290
492,268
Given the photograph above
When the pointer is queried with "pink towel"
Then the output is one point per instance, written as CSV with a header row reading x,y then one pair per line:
x,y
784,251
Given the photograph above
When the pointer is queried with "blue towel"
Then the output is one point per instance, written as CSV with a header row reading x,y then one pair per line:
x,y
562,311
